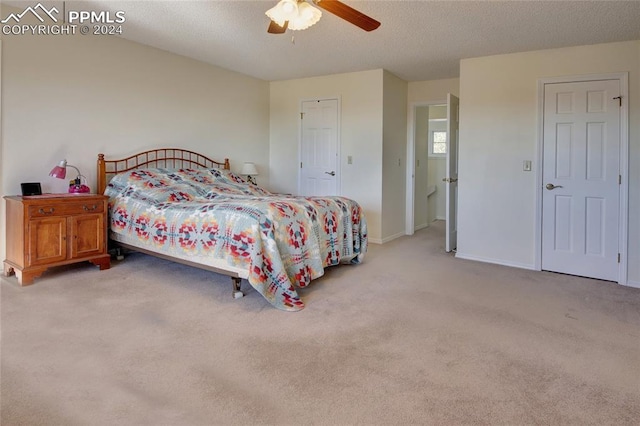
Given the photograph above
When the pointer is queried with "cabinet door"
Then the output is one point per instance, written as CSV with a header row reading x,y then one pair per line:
x,y
47,240
87,235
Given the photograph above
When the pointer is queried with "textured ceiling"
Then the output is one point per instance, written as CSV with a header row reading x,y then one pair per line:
x,y
418,40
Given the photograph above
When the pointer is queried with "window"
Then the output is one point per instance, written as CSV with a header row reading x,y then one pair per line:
x,y
439,142
437,132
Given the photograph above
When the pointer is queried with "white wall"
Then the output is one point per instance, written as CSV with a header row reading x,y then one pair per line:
x,y
76,96
394,154
498,130
437,201
432,90
361,100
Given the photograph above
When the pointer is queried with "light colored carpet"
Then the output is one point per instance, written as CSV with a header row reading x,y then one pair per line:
x,y
412,336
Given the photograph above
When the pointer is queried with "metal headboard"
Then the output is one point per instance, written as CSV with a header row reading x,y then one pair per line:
x,y
170,158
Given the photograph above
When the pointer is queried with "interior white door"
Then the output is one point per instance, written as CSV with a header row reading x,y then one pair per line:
x,y
451,193
581,172
319,171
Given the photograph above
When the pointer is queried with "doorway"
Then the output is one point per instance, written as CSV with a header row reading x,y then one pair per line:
x,y
430,130
583,207
432,166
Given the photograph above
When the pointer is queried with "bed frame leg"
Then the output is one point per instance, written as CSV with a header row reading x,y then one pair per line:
x,y
237,293
116,252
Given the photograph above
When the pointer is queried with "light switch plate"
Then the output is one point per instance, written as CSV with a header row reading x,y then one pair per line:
x,y
526,165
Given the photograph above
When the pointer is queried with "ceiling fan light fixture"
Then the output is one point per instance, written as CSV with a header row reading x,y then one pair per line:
x,y
301,14
306,17
285,10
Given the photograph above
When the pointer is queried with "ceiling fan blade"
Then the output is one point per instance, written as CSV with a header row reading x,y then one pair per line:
x,y
348,14
274,28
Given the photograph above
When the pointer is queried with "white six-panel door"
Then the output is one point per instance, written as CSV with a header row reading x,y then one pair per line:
x,y
581,168
319,148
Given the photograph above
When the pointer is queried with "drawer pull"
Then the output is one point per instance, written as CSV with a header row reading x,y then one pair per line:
x,y
90,209
47,211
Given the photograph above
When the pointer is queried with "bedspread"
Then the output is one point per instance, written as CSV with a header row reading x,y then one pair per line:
x,y
281,241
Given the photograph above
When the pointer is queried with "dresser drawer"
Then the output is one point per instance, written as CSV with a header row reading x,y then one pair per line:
x,y
63,209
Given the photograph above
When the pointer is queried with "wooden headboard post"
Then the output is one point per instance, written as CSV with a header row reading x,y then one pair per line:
x,y
102,174
161,157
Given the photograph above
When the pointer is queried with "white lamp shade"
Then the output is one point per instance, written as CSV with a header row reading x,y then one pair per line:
x,y
249,169
306,17
285,10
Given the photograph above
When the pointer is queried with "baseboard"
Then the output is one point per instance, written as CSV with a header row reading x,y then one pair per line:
x,y
419,227
387,239
496,261
440,218
634,284
630,283
393,237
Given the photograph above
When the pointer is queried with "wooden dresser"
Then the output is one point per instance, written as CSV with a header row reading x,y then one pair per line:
x,y
52,230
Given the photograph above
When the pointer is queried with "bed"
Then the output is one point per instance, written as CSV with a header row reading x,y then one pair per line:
x,y
186,207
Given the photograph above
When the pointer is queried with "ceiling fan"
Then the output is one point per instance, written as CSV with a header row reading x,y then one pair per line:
x,y
300,15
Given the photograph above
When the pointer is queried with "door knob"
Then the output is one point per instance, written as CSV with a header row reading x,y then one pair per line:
x,y
332,173
551,186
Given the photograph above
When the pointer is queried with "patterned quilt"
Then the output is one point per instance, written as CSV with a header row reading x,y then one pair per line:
x,y
280,242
